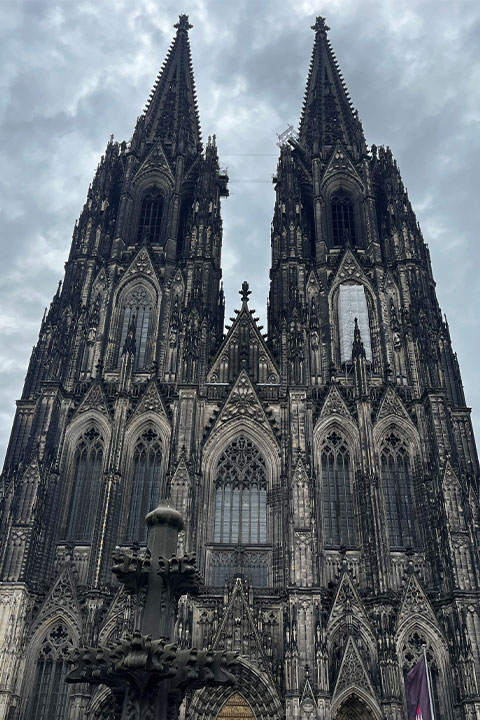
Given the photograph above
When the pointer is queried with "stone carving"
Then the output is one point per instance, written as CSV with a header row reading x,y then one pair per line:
x,y
334,405
94,400
340,163
243,402
391,404
415,603
150,401
352,672
141,265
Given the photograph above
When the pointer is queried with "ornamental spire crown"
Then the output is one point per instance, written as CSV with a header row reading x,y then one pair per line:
x,y
328,115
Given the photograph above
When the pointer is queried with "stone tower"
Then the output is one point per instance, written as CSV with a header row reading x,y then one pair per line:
x,y
327,471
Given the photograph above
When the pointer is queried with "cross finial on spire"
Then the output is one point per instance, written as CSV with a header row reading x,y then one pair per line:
x,y
183,23
320,25
244,293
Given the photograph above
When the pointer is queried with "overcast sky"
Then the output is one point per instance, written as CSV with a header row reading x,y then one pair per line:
x,y
72,73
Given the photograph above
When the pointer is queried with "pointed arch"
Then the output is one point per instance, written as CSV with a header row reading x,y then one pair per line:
x,y
44,689
146,446
149,222
83,461
236,708
254,686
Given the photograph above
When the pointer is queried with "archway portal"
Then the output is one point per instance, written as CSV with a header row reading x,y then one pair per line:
x,y
354,709
236,708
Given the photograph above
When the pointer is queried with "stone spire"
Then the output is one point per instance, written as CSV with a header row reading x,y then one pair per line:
x,y
171,113
328,115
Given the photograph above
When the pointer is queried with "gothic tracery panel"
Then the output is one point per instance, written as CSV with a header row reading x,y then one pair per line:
x,y
136,313
50,692
87,473
145,486
397,492
337,496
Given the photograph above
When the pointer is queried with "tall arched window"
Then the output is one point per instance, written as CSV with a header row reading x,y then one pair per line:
x,y
151,211
241,495
397,492
240,524
412,651
145,490
338,520
50,691
136,310
343,222
87,475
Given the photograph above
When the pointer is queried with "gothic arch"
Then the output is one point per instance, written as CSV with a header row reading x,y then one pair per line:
x,y
344,182
413,633
145,425
80,426
354,703
373,318
65,635
136,291
102,705
252,684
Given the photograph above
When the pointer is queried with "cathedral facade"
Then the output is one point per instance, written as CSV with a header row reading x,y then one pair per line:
x,y
326,471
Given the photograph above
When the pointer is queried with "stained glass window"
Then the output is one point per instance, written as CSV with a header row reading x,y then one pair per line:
x,y
150,224
50,691
338,520
145,490
397,493
137,309
343,223
88,461
241,495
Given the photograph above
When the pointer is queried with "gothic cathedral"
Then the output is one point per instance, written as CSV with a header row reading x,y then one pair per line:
x,y
326,471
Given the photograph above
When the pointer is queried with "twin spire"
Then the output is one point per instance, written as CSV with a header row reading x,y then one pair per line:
x,y
171,112
328,116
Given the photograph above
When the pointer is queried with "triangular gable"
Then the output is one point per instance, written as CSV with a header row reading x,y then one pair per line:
x,y
226,351
155,160
238,620
141,265
350,269
352,672
313,283
340,163
391,404
94,399
116,615
151,401
243,402
180,485
62,597
415,604
334,405
346,600
300,475
308,698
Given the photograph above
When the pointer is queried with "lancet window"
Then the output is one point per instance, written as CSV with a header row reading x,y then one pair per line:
x,y
136,312
145,488
241,495
352,303
343,222
338,519
150,222
50,691
413,649
87,475
397,492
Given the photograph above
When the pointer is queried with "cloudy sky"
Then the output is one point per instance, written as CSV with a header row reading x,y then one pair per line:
x,y
72,73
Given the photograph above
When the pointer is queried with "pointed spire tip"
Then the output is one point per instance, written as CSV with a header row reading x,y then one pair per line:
x,y
183,23
320,25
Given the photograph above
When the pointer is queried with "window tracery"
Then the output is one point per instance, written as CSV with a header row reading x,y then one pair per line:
x,y
397,494
338,518
150,222
241,495
136,311
145,488
343,222
87,473
50,691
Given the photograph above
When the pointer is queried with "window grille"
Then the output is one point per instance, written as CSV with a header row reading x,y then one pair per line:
x,y
338,520
150,224
241,495
50,691
145,490
137,308
352,303
88,461
343,223
396,484
254,565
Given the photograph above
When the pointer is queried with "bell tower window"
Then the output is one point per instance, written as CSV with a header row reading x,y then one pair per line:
x,y
137,309
343,223
150,224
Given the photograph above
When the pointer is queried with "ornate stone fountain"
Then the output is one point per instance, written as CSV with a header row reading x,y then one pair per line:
x,y
146,671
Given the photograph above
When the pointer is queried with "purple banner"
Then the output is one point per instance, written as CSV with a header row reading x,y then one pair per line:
x,y
418,699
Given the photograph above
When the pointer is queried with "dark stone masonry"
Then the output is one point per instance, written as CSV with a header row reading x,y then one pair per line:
x,y
326,471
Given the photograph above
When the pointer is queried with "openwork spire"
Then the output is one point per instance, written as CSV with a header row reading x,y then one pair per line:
x,y
171,112
327,114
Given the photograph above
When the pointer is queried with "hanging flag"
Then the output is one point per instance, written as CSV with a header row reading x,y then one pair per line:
x,y
418,692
